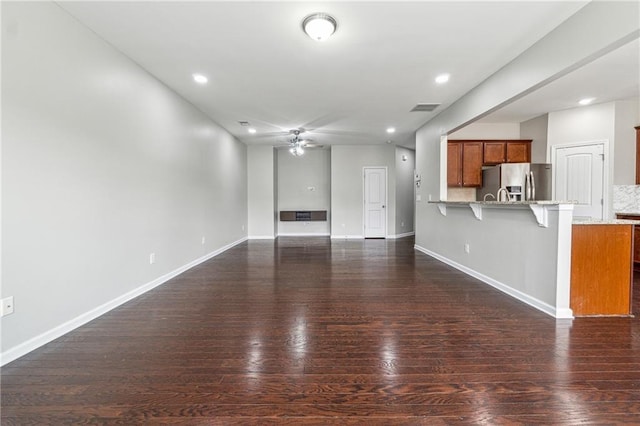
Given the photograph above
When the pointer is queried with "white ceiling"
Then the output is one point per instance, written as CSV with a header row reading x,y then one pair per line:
x,y
379,64
614,76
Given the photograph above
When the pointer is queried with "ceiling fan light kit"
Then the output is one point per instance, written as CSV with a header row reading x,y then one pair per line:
x,y
319,26
296,150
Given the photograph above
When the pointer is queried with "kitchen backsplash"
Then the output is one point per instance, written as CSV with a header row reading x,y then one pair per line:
x,y
626,198
461,194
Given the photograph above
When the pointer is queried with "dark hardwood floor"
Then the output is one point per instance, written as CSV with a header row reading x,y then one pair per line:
x,y
315,332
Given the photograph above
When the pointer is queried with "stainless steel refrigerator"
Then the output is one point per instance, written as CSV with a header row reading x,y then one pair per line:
x,y
524,181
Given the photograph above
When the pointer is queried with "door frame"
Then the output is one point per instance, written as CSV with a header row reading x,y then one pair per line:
x,y
553,152
386,195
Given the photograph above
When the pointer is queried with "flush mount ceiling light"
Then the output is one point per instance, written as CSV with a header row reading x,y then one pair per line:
x,y
586,101
319,26
252,130
391,129
200,79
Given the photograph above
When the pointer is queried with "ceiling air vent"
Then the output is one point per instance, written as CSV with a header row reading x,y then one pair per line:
x,y
425,107
244,123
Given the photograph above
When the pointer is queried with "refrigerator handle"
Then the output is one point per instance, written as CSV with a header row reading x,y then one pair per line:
x,y
533,186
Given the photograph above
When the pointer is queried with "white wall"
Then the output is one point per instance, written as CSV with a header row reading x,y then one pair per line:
x,y
612,122
536,130
405,190
304,183
488,131
261,172
347,163
626,118
588,123
101,166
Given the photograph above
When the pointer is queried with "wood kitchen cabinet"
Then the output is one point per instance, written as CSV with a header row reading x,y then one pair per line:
x,y
464,164
509,151
494,152
465,158
518,151
454,164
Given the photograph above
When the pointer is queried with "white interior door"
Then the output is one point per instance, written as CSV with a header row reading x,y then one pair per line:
x,y
579,177
375,202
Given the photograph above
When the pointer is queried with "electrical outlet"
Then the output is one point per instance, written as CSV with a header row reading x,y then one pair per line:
x,y
152,258
243,227
6,306
401,224
467,249
203,240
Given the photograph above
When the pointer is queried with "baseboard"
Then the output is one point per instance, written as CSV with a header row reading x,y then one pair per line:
x,y
302,234
261,237
403,235
347,237
517,294
62,329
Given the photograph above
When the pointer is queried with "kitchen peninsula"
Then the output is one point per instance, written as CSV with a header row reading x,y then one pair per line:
x,y
535,252
522,248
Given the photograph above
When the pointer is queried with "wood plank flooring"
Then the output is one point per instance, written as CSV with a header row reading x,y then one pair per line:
x,y
317,332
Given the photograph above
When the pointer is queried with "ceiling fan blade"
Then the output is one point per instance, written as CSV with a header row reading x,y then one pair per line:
x,y
323,121
268,135
336,132
313,146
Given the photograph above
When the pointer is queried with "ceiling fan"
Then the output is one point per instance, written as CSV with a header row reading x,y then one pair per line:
x,y
297,144
323,127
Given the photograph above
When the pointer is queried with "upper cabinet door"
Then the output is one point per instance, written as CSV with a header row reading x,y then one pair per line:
x,y
472,164
494,152
519,152
454,164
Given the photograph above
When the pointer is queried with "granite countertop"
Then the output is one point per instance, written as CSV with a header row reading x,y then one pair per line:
x,y
505,203
629,213
605,222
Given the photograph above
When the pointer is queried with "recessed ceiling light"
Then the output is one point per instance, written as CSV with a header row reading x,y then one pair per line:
x,y
391,129
319,26
586,101
252,130
200,79
442,78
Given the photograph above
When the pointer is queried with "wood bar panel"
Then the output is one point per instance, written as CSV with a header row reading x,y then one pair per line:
x,y
601,269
